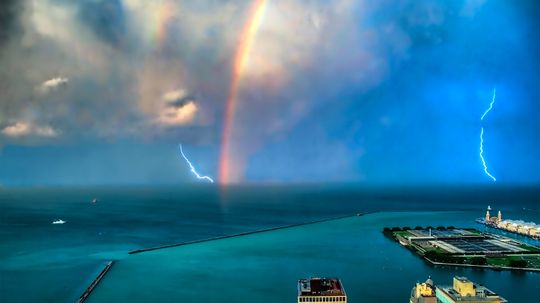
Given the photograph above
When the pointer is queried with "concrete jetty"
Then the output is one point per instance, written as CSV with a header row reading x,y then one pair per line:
x,y
245,233
95,282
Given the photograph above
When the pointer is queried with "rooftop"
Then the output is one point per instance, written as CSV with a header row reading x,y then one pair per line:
x,y
320,287
462,292
442,233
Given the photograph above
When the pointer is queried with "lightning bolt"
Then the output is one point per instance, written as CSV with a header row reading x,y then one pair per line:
x,y
490,104
193,168
482,155
482,137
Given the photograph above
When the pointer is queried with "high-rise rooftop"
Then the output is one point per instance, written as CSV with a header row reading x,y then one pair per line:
x,y
464,290
321,290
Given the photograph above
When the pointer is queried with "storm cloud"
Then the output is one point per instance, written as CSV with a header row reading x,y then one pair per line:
x,y
322,73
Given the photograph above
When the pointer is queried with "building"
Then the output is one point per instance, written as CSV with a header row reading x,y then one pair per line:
x,y
493,220
423,292
529,229
321,290
464,290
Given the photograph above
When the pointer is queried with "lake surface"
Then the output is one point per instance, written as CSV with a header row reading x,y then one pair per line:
x,y
41,262
265,267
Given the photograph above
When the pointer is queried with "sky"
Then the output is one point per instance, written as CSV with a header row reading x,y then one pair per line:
x,y
389,92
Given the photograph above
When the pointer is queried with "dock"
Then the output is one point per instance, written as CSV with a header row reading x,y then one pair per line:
x,y
95,282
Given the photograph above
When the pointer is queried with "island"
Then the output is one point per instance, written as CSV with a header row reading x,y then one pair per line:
x,y
466,247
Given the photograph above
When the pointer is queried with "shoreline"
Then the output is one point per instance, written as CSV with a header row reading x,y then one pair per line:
x,y
496,268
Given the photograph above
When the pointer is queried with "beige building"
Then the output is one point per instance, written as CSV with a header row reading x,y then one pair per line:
x,y
464,290
516,226
423,292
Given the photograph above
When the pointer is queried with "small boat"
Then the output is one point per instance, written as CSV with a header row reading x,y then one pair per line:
x,y
94,200
59,221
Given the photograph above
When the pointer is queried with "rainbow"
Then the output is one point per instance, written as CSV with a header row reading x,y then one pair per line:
x,y
158,29
241,57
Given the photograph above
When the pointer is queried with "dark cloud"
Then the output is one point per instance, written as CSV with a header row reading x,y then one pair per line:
x,y
182,101
106,18
9,19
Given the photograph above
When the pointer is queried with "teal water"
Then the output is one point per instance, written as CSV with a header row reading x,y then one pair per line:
x,y
264,267
41,262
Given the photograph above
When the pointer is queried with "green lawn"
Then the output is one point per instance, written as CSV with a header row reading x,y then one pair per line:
x,y
534,261
403,233
498,261
437,250
474,231
529,247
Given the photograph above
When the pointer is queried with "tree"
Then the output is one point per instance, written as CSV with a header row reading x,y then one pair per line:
x,y
432,255
518,263
478,261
